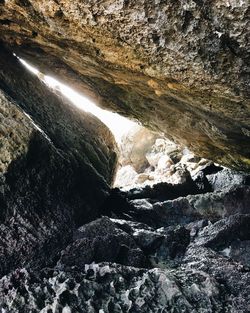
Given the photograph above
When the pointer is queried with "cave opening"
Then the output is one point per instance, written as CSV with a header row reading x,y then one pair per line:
x,y
171,234
146,158
117,124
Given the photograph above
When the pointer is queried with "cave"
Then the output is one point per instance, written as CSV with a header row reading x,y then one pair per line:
x,y
124,156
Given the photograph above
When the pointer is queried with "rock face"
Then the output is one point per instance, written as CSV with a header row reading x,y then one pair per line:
x,y
178,68
82,136
168,247
99,241
51,180
199,266
68,242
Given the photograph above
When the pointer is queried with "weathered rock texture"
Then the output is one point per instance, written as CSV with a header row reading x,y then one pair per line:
x,y
167,248
51,180
83,137
191,268
182,68
67,242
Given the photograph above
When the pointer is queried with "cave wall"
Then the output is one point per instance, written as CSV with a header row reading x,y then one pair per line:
x,y
181,68
56,166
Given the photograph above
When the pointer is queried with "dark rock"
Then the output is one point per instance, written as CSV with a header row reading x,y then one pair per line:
x,y
210,168
55,167
202,182
101,240
222,233
36,212
165,191
183,210
195,227
48,179
114,288
240,251
164,246
228,267
82,137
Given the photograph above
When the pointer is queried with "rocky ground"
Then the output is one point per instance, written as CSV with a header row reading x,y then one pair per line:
x,y
162,248
172,235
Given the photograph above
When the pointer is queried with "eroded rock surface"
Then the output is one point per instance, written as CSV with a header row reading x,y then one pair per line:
x,y
51,180
187,253
79,134
68,243
181,68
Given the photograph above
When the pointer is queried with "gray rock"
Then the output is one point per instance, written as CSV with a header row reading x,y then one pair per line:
x,y
240,251
111,288
51,177
101,240
227,179
183,210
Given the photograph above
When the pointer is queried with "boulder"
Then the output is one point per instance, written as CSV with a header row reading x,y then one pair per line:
x,y
99,241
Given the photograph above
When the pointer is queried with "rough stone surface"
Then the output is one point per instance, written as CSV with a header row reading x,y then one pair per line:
x,y
134,146
47,183
181,68
205,281
101,241
148,158
192,261
110,288
70,244
15,133
78,134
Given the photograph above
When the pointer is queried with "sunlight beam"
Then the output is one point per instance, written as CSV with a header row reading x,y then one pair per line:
x,y
117,124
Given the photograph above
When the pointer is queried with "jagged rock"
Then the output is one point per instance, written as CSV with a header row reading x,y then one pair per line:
x,y
125,177
15,133
222,233
164,247
239,251
111,288
84,139
227,179
163,191
205,282
212,205
99,241
205,254
178,68
152,159
161,148
50,180
79,137
32,212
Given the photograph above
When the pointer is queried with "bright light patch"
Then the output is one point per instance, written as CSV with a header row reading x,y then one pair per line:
x,y
118,124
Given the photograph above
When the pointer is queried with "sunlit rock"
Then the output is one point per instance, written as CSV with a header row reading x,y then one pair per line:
x,y
181,69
